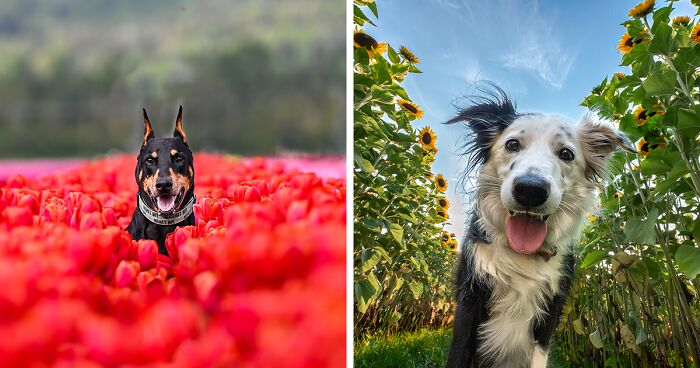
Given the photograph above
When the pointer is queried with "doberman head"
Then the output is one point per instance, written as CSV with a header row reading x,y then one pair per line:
x,y
165,170
165,176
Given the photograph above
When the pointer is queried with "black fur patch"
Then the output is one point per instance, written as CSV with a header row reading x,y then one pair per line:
x,y
543,329
486,117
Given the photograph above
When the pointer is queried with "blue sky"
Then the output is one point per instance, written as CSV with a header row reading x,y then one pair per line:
x,y
546,54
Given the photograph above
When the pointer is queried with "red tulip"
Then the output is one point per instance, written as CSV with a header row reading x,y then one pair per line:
x,y
260,274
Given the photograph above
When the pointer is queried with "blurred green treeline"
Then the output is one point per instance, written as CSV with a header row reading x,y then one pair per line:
x,y
254,77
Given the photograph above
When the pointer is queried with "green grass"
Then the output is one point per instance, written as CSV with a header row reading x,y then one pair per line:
x,y
422,349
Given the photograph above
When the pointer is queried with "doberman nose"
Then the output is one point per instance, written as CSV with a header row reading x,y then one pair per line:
x,y
164,184
530,191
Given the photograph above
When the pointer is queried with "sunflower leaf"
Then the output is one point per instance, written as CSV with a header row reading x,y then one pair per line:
x,y
663,42
416,288
661,15
396,231
642,231
688,122
364,164
393,55
688,260
360,17
661,83
373,7
593,258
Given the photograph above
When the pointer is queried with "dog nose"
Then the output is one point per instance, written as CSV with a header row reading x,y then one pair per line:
x,y
530,191
164,184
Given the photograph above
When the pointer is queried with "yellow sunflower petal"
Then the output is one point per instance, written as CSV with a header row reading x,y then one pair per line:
x,y
410,107
440,183
427,139
681,20
443,203
695,33
625,45
408,55
642,9
643,147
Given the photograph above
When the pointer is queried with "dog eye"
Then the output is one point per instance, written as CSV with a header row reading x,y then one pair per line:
x,y
179,159
150,161
566,154
512,145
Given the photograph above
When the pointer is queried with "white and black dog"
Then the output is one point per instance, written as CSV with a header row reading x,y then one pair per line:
x,y
534,186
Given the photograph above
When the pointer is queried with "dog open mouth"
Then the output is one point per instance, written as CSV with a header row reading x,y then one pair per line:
x,y
526,231
167,203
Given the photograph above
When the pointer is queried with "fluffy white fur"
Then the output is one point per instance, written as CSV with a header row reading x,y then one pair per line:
x,y
523,282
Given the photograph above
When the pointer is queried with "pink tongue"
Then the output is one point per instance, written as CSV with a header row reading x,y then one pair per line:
x,y
165,202
525,233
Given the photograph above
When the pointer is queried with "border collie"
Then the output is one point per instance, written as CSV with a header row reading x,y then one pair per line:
x,y
534,185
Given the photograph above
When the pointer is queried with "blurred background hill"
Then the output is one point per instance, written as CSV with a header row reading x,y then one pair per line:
x,y
253,76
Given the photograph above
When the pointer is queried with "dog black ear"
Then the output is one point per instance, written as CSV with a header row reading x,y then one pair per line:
x,y
178,127
486,118
148,130
599,138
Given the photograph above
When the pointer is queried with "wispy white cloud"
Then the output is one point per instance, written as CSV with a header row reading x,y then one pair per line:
x,y
517,35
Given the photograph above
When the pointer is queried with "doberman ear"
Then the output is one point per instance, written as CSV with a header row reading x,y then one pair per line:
x,y
178,127
148,130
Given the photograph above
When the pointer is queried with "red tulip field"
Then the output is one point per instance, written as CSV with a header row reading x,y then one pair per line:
x,y
259,281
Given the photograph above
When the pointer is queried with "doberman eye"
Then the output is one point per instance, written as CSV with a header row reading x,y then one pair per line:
x,y
150,161
512,145
566,154
179,159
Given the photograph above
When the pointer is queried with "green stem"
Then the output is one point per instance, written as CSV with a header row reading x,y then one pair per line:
x,y
690,164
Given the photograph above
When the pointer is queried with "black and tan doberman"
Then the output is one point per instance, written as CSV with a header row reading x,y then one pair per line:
x,y
165,176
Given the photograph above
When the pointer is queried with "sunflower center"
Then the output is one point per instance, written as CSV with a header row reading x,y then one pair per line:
x,y
426,138
409,107
365,40
441,182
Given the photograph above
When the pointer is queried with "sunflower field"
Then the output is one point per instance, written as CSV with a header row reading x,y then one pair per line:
x,y
402,256
636,302
261,273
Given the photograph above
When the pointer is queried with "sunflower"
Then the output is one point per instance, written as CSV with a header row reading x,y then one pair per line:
x,y
452,245
408,55
362,39
643,115
620,76
681,20
443,203
627,42
442,215
642,9
618,195
427,139
440,183
592,218
412,108
445,237
643,147
695,33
